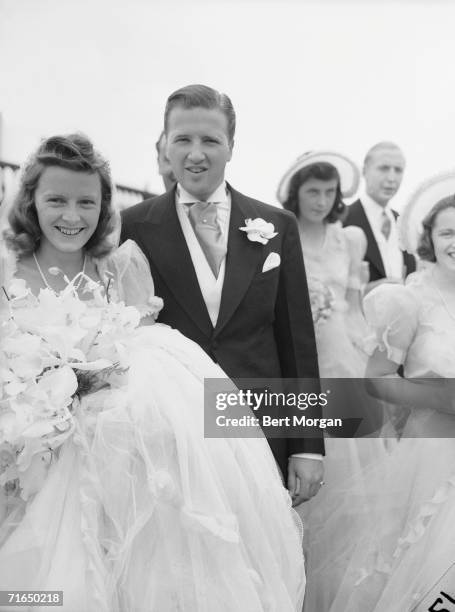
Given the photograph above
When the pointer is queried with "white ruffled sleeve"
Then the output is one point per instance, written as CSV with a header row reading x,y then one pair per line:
x,y
131,273
391,310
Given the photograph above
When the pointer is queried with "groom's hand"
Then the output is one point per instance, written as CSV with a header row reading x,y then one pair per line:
x,y
305,478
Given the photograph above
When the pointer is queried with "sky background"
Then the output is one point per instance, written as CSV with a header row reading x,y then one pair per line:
x,y
302,75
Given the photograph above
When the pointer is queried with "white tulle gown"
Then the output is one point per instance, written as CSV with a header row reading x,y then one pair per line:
x,y
330,517
412,493
141,513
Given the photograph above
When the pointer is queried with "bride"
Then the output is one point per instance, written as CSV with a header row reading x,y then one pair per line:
x,y
407,561
122,504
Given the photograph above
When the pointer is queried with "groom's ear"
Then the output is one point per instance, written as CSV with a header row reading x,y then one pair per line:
x,y
231,147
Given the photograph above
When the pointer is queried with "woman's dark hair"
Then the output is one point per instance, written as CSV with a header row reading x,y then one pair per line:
x,y
74,152
425,247
322,171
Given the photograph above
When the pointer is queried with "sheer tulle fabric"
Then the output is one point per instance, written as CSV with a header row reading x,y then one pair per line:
x,y
140,513
407,544
332,516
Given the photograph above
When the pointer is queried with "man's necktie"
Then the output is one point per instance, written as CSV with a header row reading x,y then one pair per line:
x,y
203,219
386,225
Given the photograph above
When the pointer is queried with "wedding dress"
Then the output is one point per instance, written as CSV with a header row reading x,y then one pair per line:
x,y
140,512
411,546
329,517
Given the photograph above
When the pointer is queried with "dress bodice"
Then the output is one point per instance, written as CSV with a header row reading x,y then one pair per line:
x,y
124,273
336,266
331,264
338,263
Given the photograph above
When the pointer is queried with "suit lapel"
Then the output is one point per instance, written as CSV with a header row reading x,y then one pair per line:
x,y
165,245
242,259
372,253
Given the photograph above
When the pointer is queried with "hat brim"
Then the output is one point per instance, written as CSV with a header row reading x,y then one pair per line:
x,y
347,169
420,203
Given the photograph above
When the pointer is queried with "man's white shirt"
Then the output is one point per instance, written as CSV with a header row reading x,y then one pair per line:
x,y
391,255
210,286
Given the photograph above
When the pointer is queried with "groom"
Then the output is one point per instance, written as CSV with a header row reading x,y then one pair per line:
x,y
243,300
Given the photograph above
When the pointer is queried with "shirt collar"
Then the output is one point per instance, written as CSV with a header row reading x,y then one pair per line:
x,y
373,207
219,195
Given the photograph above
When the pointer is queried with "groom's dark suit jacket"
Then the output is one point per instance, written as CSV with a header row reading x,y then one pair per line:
x,y
357,216
264,327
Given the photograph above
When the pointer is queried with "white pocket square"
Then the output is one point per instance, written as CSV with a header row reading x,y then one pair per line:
x,y
272,261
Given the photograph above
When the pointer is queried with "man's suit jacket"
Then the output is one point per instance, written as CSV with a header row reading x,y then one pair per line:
x,y
264,328
357,216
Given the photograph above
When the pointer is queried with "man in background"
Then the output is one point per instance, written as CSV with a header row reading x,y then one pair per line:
x,y
383,171
164,166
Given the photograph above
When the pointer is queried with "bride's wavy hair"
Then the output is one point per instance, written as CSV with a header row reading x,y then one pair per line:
x,y
425,247
74,152
322,171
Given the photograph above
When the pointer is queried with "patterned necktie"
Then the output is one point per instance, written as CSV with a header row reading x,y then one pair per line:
x,y
203,219
386,225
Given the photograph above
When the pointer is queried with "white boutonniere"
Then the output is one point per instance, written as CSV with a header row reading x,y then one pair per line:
x,y
258,230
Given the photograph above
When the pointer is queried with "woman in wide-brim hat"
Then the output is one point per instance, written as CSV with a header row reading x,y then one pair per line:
x,y
313,189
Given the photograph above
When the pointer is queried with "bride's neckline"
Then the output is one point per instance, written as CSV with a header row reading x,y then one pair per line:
x,y
11,264
44,279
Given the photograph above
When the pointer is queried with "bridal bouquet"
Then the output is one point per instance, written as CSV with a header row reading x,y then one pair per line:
x,y
55,348
322,300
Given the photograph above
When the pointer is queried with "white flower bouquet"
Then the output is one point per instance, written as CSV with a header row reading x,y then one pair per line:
x,y
55,348
322,300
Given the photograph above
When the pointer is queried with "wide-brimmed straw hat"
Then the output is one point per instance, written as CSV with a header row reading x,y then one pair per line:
x,y
429,193
347,169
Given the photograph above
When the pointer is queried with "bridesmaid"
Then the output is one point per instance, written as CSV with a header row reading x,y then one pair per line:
x,y
313,189
407,561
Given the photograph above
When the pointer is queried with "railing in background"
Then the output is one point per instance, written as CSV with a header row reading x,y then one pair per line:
x,y
8,181
124,196
127,196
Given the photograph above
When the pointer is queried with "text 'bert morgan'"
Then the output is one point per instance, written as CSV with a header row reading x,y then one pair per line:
x,y
268,421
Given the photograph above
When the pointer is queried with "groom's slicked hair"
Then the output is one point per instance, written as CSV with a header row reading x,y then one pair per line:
x,y
202,96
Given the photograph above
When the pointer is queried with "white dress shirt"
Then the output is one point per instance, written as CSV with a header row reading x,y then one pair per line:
x,y
391,255
210,285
